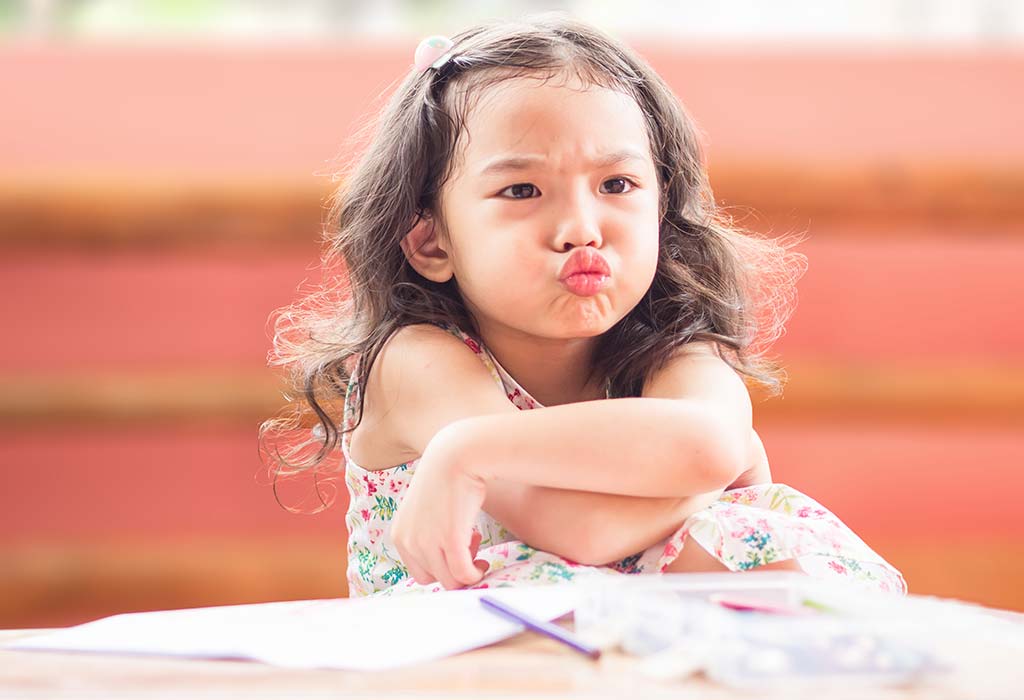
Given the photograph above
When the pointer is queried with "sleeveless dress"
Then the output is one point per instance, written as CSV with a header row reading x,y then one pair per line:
x,y
743,529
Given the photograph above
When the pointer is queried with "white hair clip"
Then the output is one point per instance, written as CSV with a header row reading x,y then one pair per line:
x,y
432,52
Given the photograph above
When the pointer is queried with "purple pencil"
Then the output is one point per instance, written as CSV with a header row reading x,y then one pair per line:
x,y
546,628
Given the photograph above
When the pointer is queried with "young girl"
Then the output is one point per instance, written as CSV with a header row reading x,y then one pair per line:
x,y
538,358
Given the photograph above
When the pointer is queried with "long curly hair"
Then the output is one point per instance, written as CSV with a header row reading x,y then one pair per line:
x,y
713,282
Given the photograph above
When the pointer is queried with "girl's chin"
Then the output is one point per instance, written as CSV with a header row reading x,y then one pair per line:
x,y
564,321
587,327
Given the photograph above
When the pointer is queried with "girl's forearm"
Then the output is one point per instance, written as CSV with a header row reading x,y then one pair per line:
x,y
633,447
593,528
597,528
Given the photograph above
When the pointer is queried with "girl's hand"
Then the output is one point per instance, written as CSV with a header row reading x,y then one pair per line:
x,y
433,527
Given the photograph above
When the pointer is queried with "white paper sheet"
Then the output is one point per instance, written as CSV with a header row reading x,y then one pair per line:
x,y
356,634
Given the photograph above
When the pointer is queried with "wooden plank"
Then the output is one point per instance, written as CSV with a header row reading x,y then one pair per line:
x,y
982,393
61,583
871,197
57,584
954,393
153,212
175,396
157,213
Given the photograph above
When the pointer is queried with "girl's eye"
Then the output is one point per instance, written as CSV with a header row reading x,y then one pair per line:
x,y
524,190
620,187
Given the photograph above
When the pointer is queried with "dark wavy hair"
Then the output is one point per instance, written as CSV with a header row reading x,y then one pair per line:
x,y
714,282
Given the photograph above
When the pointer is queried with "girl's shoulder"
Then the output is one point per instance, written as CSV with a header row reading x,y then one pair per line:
x,y
416,353
424,377
430,333
376,442
409,343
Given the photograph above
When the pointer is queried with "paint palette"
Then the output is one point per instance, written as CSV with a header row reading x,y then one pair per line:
x,y
817,652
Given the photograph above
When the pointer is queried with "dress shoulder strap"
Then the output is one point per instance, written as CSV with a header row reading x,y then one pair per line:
x,y
478,349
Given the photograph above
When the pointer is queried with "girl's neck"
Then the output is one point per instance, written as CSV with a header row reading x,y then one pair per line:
x,y
552,371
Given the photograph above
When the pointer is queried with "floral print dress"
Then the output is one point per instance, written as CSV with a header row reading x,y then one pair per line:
x,y
743,529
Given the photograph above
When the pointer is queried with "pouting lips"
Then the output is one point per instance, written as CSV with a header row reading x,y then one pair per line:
x,y
585,261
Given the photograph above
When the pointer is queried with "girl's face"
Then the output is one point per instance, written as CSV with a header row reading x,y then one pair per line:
x,y
544,171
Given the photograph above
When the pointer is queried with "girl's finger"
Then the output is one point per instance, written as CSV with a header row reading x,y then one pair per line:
x,y
474,547
417,572
461,566
439,567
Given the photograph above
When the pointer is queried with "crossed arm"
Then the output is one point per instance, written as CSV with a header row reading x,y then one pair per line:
x,y
597,528
596,481
592,481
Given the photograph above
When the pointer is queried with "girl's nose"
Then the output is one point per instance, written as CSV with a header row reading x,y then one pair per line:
x,y
578,225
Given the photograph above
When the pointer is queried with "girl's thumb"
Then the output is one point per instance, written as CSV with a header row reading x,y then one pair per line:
x,y
474,547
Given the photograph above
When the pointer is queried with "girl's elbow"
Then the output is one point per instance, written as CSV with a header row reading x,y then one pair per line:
x,y
720,459
728,466
587,546
589,551
731,464
603,545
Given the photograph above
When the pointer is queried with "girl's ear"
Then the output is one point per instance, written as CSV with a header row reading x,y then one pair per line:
x,y
425,252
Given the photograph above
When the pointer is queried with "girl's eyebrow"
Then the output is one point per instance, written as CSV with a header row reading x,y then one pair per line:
x,y
504,164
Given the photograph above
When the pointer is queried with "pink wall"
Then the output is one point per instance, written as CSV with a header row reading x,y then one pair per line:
x,y
288,112
893,296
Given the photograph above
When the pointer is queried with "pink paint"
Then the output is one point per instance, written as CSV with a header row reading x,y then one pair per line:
x,y
752,604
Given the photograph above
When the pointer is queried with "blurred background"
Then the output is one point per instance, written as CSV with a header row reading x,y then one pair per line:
x,y
163,170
